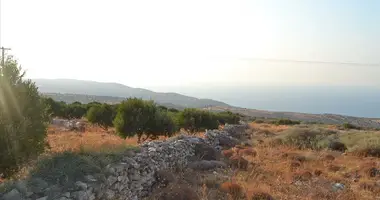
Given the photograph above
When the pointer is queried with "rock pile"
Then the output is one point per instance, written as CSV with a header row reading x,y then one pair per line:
x,y
69,125
134,176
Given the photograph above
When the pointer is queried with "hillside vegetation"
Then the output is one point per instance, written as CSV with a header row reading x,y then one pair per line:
x,y
71,86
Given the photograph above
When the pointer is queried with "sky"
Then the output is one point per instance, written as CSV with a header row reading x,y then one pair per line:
x,y
200,43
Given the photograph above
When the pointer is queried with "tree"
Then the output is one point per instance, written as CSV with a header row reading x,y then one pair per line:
x,y
173,110
228,117
163,108
91,104
23,118
54,108
136,117
101,115
75,110
195,120
132,115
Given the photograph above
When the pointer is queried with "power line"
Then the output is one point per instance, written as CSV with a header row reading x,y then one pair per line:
x,y
313,62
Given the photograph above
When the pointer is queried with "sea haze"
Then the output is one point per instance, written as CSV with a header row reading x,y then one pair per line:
x,y
363,101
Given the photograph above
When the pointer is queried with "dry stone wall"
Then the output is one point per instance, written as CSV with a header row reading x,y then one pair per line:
x,y
134,176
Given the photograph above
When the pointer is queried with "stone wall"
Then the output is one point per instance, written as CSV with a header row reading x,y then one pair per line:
x,y
133,176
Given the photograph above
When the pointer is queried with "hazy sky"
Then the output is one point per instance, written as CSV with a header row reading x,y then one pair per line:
x,y
197,42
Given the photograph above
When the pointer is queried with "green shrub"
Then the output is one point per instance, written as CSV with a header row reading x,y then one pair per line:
x,y
101,115
54,108
350,126
259,121
305,137
285,122
23,119
138,117
194,120
227,117
75,110
173,110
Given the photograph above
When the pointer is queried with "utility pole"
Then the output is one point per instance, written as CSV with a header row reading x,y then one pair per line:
x,y
3,49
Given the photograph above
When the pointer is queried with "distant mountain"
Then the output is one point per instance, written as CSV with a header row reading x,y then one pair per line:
x,y
69,90
75,89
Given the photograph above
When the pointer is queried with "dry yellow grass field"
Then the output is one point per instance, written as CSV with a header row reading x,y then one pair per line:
x,y
289,173
284,172
94,138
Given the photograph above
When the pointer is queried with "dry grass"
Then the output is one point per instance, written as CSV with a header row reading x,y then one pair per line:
x,y
312,178
283,172
91,139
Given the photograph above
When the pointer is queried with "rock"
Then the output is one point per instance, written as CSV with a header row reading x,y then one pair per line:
x,y
131,162
62,198
80,185
111,180
90,178
178,192
110,194
206,165
206,152
13,195
228,142
66,194
43,198
134,177
38,185
53,191
21,186
80,195
164,177
337,187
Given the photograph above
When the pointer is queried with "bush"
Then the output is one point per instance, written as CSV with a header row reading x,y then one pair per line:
x,y
350,126
173,110
137,117
23,118
337,146
369,151
102,115
54,108
195,120
75,110
285,122
259,121
305,137
228,117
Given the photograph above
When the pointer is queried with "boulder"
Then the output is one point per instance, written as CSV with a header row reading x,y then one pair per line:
x,y
204,165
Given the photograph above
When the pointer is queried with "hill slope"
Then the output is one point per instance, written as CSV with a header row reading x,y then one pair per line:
x,y
322,118
71,86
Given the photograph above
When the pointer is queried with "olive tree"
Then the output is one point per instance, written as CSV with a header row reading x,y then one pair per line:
x,y
23,118
101,115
